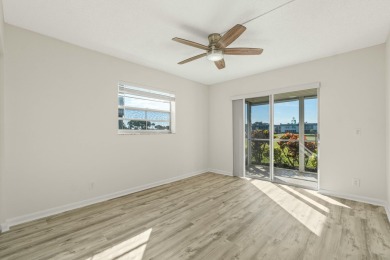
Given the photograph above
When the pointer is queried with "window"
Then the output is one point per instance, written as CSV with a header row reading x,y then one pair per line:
x,y
142,110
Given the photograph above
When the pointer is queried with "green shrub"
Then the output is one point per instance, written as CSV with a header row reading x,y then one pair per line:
x,y
258,147
289,146
278,156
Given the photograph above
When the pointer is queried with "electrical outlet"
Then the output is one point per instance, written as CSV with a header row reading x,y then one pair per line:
x,y
356,182
358,131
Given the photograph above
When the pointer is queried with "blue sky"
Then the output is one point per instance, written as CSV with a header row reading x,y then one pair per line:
x,y
284,112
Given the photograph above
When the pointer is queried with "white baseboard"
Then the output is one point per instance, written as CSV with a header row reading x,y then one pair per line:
x,y
387,208
4,227
363,199
221,172
49,212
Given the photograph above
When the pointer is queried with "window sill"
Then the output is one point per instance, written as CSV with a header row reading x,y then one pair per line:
x,y
144,133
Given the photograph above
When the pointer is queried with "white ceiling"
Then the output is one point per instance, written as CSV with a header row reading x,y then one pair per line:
x,y
141,31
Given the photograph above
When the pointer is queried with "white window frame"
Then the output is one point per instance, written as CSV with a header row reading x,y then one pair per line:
x,y
146,92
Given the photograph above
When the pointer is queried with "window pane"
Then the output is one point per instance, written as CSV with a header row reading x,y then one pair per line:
x,y
121,112
138,102
125,87
260,117
135,114
286,115
286,153
158,125
136,125
132,124
123,124
257,148
121,101
311,142
157,116
311,116
142,110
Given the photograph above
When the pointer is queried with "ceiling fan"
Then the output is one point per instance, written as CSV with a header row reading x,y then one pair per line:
x,y
217,47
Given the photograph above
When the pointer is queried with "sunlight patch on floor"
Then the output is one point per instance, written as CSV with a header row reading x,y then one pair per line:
x,y
132,248
305,214
327,199
307,199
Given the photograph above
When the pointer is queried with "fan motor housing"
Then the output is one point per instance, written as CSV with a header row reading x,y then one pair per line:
x,y
214,38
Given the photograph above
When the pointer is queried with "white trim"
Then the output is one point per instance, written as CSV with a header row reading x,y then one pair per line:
x,y
318,138
144,109
143,132
221,172
358,198
172,117
248,150
243,139
278,90
301,134
271,135
4,227
168,93
49,212
387,208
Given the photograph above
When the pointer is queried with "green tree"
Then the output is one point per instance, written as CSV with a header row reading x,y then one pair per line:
x,y
122,125
138,124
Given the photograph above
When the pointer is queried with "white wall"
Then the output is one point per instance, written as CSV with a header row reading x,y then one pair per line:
x,y
1,109
61,126
352,96
1,28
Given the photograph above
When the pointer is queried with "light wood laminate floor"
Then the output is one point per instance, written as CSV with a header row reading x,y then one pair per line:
x,y
209,216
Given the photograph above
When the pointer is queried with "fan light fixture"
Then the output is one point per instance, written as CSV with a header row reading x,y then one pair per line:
x,y
214,55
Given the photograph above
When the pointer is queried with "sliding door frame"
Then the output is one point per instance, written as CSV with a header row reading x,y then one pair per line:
x,y
271,94
271,137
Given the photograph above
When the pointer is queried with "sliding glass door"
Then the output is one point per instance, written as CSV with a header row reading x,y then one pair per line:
x,y
281,138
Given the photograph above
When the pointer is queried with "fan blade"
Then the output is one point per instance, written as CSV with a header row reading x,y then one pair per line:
x,y
242,51
193,58
190,43
220,64
230,36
